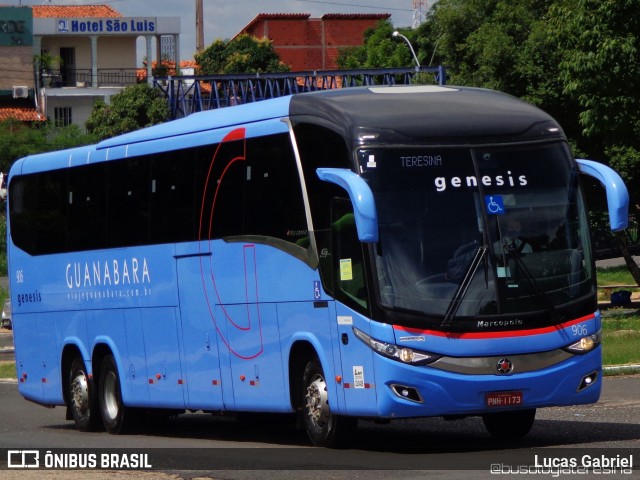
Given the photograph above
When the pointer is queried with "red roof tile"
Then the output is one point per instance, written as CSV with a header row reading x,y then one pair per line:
x,y
272,16
21,114
356,16
261,17
61,11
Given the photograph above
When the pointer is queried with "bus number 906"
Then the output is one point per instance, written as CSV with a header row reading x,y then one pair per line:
x,y
579,330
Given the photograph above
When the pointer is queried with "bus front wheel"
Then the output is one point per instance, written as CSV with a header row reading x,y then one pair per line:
x,y
509,425
114,413
82,401
324,428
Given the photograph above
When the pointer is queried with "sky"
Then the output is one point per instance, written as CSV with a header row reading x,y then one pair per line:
x,y
224,18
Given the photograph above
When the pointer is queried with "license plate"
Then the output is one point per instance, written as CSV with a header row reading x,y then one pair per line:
x,y
503,399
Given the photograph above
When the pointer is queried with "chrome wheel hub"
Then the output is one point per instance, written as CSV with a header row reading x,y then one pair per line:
x,y
317,402
111,406
80,393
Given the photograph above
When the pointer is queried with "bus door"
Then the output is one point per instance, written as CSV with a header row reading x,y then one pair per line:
x,y
199,334
347,260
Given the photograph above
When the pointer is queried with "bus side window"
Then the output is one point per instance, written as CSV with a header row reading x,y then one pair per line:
x,y
273,196
321,147
38,212
227,188
173,201
347,255
87,207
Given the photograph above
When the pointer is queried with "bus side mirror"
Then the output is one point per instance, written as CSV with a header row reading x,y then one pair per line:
x,y
361,196
617,194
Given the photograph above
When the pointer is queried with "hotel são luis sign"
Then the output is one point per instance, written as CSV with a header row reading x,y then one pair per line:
x,y
109,26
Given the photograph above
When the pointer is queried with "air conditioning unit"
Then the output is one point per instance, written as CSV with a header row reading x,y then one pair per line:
x,y
20,92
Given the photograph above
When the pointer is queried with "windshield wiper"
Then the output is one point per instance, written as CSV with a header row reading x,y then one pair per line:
x,y
461,291
517,257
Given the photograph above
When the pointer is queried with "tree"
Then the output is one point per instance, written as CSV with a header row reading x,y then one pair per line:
x,y
136,107
243,54
600,70
505,45
601,65
380,49
18,139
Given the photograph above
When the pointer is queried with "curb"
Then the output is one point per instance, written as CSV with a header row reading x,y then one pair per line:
x,y
635,368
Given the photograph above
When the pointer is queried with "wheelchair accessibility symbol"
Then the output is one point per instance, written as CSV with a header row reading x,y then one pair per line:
x,y
494,204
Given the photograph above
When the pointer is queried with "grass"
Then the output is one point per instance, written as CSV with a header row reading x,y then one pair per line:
x,y
7,370
620,337
620,327
614,276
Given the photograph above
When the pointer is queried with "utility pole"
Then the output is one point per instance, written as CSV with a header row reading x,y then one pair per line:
x,y
199,27
419,10
413,52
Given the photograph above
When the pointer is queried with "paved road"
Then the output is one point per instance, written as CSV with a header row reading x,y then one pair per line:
x,y
202,446
614,262
221,447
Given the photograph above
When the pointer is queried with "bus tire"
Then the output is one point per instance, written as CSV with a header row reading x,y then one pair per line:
x,y
114,413
82,400
509,425
325,429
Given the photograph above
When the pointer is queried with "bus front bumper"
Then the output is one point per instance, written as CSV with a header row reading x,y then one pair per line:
x,y
410,391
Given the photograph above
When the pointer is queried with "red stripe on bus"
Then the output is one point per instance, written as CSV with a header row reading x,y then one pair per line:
x,y
504,334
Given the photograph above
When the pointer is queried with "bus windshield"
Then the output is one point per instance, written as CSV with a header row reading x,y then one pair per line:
x,y
469,232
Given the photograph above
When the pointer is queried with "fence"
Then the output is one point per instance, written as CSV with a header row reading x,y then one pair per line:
x,y
195,93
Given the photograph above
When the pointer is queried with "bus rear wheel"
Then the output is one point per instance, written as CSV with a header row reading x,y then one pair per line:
x,y
509,425
115,416
82,402
324,428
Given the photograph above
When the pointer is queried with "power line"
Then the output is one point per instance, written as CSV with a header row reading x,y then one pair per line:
x,y
357,5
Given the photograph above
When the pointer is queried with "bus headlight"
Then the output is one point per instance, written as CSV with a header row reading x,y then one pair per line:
x,y
395,352
585,344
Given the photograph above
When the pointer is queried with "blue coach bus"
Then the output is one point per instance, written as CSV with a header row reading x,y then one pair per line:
x,y
374,252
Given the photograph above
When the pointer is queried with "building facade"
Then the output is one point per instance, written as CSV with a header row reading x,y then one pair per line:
x,y
16,65
306,43
76,55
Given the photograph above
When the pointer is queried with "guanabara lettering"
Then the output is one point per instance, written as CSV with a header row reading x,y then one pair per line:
x,y
107,273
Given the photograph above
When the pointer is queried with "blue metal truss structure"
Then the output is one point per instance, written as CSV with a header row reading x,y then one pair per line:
x,y
195,93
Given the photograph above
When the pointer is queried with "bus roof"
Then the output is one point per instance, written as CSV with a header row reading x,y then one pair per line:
x,y
207,120
428,113
433,114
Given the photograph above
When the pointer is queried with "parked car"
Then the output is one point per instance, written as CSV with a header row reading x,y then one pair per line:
x,y
6,314
3,186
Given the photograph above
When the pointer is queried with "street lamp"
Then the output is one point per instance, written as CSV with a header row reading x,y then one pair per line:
x,y
415,57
